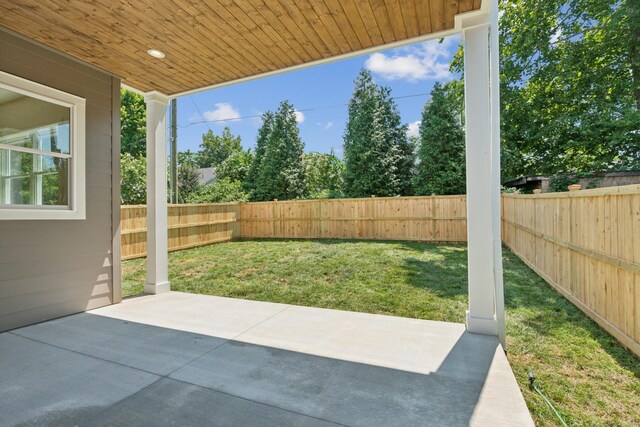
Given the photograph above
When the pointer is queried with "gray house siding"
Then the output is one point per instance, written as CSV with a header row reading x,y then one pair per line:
x,y
50,269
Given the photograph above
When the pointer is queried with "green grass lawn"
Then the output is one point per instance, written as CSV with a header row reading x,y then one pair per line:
x,y
591,379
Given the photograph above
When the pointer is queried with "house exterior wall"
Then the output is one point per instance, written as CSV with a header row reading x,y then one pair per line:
x,y
50,269
596,180
611,181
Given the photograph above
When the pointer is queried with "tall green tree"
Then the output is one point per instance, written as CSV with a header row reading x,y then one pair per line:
x,y
253,174
406,165
281,173
324,175
216,148
133,123
441,150
378,155
632,9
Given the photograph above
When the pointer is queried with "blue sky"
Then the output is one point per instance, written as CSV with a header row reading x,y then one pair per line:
x,y
409,70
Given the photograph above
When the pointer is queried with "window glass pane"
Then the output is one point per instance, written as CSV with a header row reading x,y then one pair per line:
x,y
33,179
19,190
19,163
33,123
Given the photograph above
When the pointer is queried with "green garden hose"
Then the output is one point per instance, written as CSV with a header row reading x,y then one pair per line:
x,y
533,386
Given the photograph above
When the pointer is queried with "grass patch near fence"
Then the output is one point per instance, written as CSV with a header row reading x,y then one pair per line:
x,y
591,378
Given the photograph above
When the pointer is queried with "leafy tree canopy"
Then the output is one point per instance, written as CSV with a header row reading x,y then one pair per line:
x,y
236,166
133,179
570,86
568,98
223,190
324,175
188,157
216,148
188,181
133,123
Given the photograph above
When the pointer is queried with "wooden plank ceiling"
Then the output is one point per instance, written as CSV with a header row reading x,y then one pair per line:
x,y
215,41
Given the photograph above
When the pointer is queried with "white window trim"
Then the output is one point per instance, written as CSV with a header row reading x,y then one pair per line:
x,y
77,169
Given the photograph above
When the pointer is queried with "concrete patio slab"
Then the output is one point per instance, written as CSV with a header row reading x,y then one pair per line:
x,y
148,348
339,391
45,385
180,359
169,399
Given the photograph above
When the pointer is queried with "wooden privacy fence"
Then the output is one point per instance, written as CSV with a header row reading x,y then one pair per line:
x,y
436,218
189,226
586,244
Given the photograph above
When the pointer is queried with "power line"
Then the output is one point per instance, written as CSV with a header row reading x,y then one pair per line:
x,y
304,110
219,120
201,116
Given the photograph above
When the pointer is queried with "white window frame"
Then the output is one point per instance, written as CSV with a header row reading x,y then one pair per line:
x,y
77,169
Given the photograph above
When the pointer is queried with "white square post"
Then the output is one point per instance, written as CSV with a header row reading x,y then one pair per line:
x,y
496,200
481,180
157,234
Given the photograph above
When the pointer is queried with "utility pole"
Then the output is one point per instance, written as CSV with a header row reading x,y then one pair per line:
x,y
173,180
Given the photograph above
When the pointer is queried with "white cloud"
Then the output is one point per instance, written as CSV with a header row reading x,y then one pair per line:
x,y
555,36
223,111
414,128
325,126
299,116
425,61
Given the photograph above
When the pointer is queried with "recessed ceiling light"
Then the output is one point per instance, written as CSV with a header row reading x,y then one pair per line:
x,y
156,53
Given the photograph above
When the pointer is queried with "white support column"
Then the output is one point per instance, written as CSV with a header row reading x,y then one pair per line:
x,y
481,314
494,70
157,234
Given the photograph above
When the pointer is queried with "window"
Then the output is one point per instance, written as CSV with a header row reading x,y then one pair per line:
x,y
42,164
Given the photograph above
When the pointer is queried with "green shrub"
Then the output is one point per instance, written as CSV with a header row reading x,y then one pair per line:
x,y
133,179
223,190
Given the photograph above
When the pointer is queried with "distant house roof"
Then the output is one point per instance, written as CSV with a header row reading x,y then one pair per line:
x,y
524,180
207,175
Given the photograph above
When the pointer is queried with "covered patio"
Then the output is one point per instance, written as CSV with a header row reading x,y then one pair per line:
x,y
203,360
157,49
171,358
